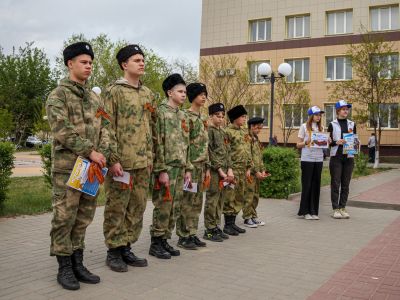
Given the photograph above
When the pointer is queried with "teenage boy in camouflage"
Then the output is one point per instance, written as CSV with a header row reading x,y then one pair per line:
x,y
172,166
219,154
241,164
131,106
258,174
78,124
192,203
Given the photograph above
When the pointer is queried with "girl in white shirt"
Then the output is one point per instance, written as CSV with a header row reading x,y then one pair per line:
x,y
311,165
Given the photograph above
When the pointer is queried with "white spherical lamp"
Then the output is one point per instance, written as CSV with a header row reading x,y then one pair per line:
x,y
284,69
264,69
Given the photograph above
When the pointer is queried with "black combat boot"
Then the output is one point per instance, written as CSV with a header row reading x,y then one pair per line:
x,y
114,260
237,228
65,275
221,233
212,235
197,241
171,250
186,243
228,229
130,258
80,271
157,249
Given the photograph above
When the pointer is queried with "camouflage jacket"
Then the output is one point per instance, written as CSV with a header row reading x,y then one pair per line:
x,y
240,148
198,138
171,139
218,149
131,111
256,154
77,128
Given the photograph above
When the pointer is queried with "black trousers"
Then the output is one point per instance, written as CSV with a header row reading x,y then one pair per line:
x,y
371,154
341,169
311,186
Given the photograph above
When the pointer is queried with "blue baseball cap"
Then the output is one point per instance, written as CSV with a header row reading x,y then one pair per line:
x,y
342,103
314,110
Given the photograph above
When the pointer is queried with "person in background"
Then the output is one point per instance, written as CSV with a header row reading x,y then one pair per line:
x,y
372,147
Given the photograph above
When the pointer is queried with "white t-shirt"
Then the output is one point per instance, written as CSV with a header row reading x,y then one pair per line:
x,y
308,153
371,141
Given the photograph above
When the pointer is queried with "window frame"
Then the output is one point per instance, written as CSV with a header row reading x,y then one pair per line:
x,y
303,118
294,27
345,11
390,6
346,57
380,56
286,60
256,21
389,118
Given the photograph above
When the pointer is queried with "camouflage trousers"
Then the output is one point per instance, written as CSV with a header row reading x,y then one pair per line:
x,y
235,198
187,222
252,197
166,212
124,209
214,202
73,211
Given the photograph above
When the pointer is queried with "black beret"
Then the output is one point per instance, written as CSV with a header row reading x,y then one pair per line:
x,y
171,81
255,120
195,89
76,49
216,107
236,112
128,51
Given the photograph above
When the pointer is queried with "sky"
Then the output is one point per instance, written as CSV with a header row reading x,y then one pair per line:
x,y
170,27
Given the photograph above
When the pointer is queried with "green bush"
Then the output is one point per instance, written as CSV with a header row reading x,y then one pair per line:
x,y
361,163
45,154
6,165
283,165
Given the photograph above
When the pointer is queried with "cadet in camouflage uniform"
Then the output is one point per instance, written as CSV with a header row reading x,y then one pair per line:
x,y
192,203
258,173
77,121
241,164
171,166
219,155
130,105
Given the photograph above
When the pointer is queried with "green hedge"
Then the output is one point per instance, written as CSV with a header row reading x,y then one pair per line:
x,y
361,164
283,165
6,165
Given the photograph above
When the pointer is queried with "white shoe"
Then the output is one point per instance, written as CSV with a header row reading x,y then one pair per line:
x,y
250,223
258,222
315,217
308,217
344,213
336,214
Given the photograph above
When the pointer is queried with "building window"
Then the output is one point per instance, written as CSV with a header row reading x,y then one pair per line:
x,y
339,22
253,71
295,115
389,116
258,110
260,30
338,68
298,26
300,69
387,65
384,18
330,114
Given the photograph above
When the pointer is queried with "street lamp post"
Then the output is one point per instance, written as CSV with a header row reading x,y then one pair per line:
x,y
265,71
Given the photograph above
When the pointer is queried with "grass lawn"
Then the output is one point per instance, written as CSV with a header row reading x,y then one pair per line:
x,y
30,195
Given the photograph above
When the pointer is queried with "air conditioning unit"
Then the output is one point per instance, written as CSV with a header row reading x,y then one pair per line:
x,y
230,72
220,73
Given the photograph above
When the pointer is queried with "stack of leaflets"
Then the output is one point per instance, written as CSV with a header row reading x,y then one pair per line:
x,y
79,177
352,145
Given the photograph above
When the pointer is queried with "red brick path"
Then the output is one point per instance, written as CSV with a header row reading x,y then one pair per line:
x,y
374,273
385,193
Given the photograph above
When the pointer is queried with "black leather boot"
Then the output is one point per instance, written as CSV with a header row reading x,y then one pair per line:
x,y
221,233
114,260
65,275
197,241
80,271
171,250
157,249
186,243
228,229
237,228
130,258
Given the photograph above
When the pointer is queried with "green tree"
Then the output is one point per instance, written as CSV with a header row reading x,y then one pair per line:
x,y
41,127
26,79
374,86
6,124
